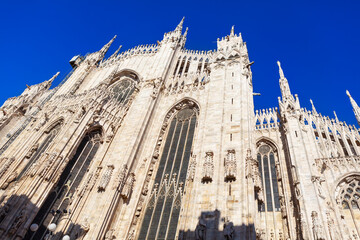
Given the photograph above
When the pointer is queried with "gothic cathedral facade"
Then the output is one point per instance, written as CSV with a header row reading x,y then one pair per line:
x,y
161,142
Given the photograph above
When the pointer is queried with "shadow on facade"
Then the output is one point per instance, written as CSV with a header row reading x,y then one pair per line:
x,y
208,228
17,214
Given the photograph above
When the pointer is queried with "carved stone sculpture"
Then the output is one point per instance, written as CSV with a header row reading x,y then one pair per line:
x,y
128,187
105,178
32,150
42,121
19,220
6,166
110,234
121,178
317,227
208,169
192,167
230,166
9,180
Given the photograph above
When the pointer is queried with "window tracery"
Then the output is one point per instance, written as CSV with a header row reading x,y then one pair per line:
x,y
122,90
59,198
349,195
266,159
163,210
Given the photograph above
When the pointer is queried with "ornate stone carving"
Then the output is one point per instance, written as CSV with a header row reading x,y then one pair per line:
x,y
6,166
105,178
42,121
334,234
18,221
192,168
9,180
317,181
128,187
32,150
260,234
230,166
80,114
110,234
120,181
111,133
208,169
253,172
317,227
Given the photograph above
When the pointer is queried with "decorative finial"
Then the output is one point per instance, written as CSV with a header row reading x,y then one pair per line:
x,y
53,78
186,31
336,118
180,25
355,107
347,93
280,70
313,107
232,31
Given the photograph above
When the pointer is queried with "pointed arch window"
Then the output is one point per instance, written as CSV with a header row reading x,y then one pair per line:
x,y
350,202
266,158
45,140
122,90
69,180
163,210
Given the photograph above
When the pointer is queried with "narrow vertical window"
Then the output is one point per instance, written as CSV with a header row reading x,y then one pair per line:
x,y
230,136
70,178
163,210
232,101
267,168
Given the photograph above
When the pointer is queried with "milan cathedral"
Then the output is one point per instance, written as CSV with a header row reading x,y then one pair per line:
x,y
162,142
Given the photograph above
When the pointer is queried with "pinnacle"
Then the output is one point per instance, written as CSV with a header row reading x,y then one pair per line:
x,y
180,25
232,30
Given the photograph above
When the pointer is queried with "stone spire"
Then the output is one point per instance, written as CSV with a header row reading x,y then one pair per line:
x,y
284,85
106,47
355,107
186,31
180,25
232,31
53,77
116,52
336,118
313,107
49,82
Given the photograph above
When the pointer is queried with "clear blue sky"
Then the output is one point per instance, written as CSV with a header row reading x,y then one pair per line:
x,y
316,42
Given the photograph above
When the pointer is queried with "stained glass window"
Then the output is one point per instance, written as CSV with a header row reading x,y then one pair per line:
x,y
122,90
163,210
267,168
70,178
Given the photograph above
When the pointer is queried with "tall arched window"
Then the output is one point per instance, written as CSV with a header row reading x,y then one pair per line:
x,y
163,209
70,178
349,195
266,159
45,140
122,90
